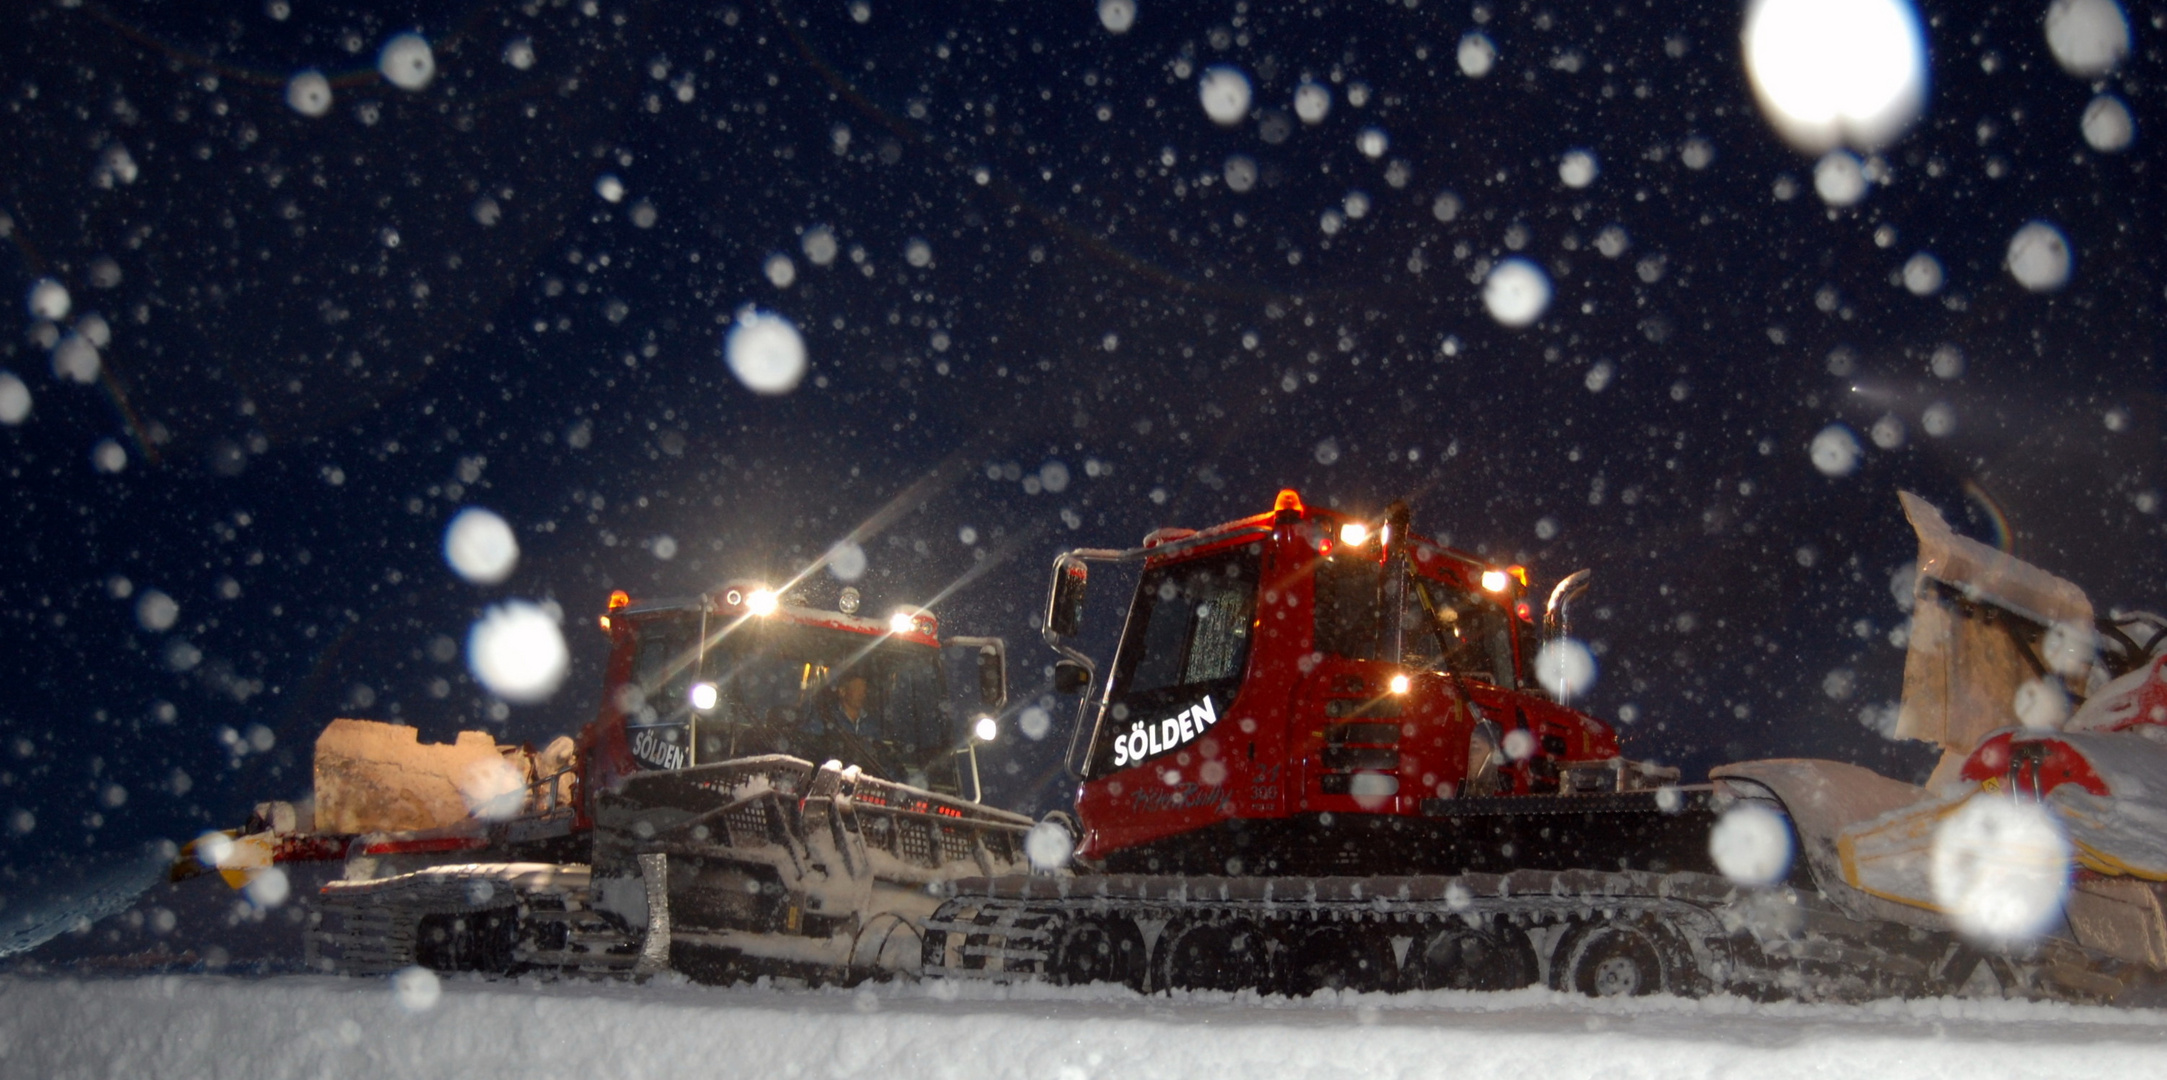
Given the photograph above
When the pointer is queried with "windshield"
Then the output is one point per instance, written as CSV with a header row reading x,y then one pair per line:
x,y
1457,630
777,687
1182,655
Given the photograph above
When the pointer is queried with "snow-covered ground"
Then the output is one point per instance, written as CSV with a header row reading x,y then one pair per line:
x,y
304,1026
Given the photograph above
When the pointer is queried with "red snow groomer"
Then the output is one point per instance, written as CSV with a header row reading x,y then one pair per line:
x,y
1305,692
1319,759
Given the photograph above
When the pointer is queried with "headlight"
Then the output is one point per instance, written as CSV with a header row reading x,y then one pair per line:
x,y
985,729
703,696
760,601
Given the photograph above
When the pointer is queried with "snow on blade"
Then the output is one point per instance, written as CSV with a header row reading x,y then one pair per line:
x,y
309,94
1224,91
765,352
1836,72
517,652
1516,292
2039,257
2089,38
480,546
2000,868
407,62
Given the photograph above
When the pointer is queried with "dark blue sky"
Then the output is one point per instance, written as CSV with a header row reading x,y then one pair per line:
x,y
320,352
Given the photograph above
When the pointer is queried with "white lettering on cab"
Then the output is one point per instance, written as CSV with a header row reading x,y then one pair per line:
x,y
1144,740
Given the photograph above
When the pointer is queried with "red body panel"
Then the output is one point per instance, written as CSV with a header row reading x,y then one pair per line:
x,y
1271,751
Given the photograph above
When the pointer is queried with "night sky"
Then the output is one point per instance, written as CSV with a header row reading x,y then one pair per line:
x,y
1049,322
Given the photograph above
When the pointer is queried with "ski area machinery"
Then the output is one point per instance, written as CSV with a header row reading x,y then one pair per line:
x,y
688,825
1319,757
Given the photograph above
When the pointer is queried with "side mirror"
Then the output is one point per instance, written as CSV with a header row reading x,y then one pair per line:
x,y
1070,677
992,677
1064,608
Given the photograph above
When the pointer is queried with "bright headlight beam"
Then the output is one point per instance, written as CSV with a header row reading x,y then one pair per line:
x,y
986,728
761,601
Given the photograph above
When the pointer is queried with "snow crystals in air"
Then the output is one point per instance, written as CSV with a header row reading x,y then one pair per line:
x,y
519,52
1516,292
1117,16
2039,257
2089,38
918,253
780,271
1565,667
1034,722
75,358
1835,72
819,245
268,887
2000,868
407,62
1887,432
1612,241
1835,451
846,560
1373,142
14,399
1698,153
1947,362
1922,274
518,652
2107,125
1599,375
609,187
765,352
416,989
1312,101
49,300
1048,846
155,611
309,94
108,457
1939,419
1445,207
1224,91
480,546
1577,169
1240,172
1477,55
1839,178
1751,844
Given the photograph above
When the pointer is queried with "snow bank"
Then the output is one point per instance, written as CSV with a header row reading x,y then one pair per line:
x,y
197,1026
